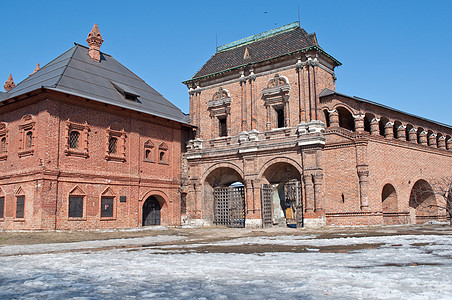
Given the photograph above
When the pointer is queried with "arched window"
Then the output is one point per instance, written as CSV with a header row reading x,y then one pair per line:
x,y
148,151
28,139
346,119
163,153
74,137
326,115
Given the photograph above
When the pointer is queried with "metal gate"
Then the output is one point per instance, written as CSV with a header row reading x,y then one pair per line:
x,y
267,199
229,206
293,197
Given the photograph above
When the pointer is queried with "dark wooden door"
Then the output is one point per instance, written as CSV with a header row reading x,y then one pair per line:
x,y
151,212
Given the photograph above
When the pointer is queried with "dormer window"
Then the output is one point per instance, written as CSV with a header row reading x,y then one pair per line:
x,y
127,92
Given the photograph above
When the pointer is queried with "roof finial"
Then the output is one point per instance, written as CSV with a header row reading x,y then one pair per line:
x,y
94,41
9,84
36,69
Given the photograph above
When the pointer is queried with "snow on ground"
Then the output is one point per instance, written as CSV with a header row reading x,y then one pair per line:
x,y
405,267
56,247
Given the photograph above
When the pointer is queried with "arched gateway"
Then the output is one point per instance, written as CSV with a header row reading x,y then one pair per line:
x,y
281,195
225,187
151,211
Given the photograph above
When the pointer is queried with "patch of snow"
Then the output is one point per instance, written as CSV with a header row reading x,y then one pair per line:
x,y
57,247
397,270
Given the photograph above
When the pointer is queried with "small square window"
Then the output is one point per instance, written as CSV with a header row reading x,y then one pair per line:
x,y
75,207
106,210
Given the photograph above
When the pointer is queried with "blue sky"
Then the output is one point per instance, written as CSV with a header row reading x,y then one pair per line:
x,y
393,52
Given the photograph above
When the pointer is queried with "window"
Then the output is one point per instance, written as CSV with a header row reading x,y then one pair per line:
x,y
106,210
26,144
77,137
280,117
3,145
2,207
223,127
3,141
116,144
74,137
20,205
163,153
76,206
148,151
29,139
112,145
107,204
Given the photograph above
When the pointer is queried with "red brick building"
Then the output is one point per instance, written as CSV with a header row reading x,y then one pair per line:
x,y
85,143
276,144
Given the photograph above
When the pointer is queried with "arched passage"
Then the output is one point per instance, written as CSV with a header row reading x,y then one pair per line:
x,y
346,119
423,202
389,204
152,210
224,197
281,195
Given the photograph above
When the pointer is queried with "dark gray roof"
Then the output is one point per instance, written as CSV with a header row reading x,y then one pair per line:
x,y
262,47
75,73
3,96
328,92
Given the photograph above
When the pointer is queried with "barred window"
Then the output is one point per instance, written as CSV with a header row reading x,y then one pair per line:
x,y
28,139
20,204
106,210
74,138
3,145
75,207
2,207
112,145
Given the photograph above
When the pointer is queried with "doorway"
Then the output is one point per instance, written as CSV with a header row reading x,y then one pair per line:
x,y
151,212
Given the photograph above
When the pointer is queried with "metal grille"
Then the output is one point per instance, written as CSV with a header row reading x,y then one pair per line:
x,y
112,145
230,206
73,139
75,207
266,196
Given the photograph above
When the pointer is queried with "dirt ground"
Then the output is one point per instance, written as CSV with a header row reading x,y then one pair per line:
x,y
212,234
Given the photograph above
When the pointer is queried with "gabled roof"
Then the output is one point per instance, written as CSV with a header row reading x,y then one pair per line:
x,y
328,92
264,46
75,73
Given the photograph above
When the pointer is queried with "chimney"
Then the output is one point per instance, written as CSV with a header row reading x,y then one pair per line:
x,y
94,41
9,84
36,69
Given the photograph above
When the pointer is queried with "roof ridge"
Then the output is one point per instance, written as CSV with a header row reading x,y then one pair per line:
x,y
258,37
